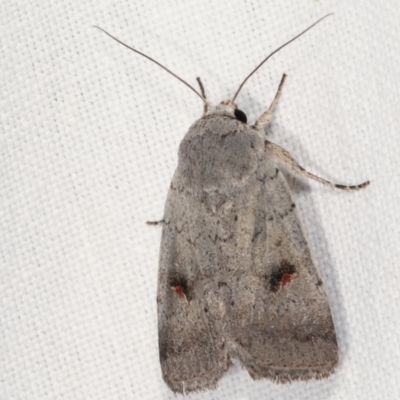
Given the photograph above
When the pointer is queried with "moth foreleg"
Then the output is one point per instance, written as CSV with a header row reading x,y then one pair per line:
x,y
155,222
266,117
291,164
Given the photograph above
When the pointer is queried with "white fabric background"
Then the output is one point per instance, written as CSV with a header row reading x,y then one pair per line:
x,y
89,139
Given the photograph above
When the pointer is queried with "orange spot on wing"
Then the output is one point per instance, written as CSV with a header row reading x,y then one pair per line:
x,y
178,290
286,278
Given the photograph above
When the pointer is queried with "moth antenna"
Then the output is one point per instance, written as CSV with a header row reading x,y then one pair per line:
x,y
275,51
203,93
154,61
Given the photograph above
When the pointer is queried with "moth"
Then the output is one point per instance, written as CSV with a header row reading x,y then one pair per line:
x,y
236,276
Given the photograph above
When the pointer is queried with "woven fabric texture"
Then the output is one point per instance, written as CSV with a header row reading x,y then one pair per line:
x,y
89,138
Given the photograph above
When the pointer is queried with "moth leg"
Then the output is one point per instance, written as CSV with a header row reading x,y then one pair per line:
x,y
203,93
266,117
155,222
284,157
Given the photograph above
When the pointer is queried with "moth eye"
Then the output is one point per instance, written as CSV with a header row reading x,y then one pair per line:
x,y
240,115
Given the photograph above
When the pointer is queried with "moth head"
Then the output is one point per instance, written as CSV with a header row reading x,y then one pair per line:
x,y
230,109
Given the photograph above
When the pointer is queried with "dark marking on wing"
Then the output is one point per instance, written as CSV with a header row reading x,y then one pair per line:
x,y
179,285
281,275
289,210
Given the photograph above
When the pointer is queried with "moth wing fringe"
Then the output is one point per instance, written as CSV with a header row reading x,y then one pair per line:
x,y
199,383
288,376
